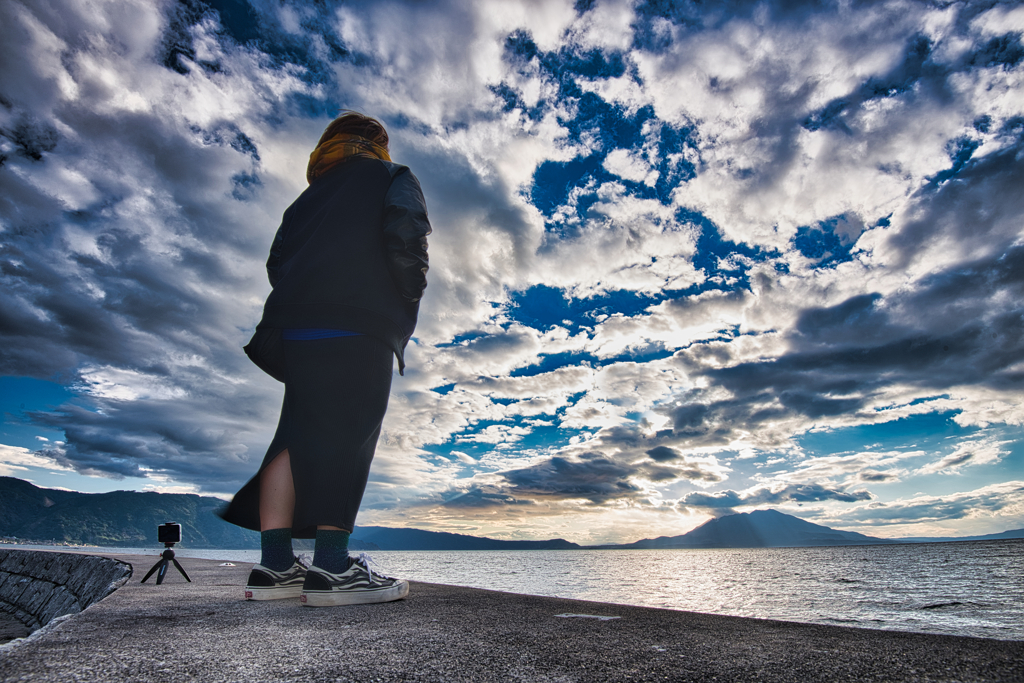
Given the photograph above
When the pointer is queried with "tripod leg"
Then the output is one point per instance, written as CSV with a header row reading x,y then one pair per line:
x,y
153,569
180,569
163,571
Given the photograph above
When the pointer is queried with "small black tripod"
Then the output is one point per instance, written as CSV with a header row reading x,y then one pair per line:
x,y
166,556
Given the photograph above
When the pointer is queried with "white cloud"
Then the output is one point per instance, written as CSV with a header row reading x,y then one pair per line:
x,y
15,461
999,20
984,451
988,509
627,165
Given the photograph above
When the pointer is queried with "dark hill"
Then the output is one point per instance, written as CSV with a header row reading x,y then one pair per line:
x,y
22,502
415,539
119,518
758,529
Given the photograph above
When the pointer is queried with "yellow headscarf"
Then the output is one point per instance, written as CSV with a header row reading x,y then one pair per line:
x,y
340,148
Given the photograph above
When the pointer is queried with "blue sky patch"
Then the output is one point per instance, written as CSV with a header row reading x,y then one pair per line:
x,y
18,394
960,152
928,430
553,361
1005,51
823,244
553,181
713,249
245,186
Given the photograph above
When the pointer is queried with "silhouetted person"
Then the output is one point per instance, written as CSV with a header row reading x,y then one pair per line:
x,y
348,267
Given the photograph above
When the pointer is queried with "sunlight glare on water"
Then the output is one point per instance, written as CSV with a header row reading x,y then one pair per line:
x,y
968,589
955,588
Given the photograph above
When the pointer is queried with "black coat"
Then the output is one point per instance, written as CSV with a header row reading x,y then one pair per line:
x,y
351,254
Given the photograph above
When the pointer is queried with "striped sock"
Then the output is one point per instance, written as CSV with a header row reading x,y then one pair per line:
x,y
331,553
277,549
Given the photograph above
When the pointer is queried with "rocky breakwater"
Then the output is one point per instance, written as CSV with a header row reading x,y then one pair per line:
x,y
37,587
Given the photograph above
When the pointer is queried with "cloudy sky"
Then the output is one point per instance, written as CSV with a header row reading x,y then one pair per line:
x,y
685,261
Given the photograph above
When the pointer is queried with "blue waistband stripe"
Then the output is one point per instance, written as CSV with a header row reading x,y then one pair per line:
x,y
315,333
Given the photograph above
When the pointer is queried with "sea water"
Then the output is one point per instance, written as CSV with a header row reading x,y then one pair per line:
x,y
962,588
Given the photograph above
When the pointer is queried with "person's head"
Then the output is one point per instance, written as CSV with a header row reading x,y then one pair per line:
x,y
354,123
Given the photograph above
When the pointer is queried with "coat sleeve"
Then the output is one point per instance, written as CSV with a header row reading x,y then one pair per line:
x,y
276,249
405,234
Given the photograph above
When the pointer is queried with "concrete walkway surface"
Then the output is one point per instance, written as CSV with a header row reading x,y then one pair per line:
x,y
205,631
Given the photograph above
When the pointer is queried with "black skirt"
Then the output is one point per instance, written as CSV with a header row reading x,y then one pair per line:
x,y
336,393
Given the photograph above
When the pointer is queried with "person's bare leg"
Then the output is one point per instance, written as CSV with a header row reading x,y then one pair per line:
x,y
277,494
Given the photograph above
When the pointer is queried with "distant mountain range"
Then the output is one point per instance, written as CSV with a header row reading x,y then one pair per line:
x,y
130,519
118,519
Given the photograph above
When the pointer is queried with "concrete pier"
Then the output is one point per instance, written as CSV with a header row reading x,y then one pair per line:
x,y
205,631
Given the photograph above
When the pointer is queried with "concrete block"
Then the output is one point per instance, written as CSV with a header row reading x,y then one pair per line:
x,y
35,596
60,602
12,561
41,586
61,570
21,585
20,614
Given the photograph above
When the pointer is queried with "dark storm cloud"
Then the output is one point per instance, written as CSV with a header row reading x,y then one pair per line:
x,y
958,326
663,453
479,497
918,72
962,326
593,476
979,208
872,476
141,438
141,301
984,501
126,267
31,138
793,493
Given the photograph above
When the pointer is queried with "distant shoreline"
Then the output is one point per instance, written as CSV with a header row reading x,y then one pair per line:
x,y
126,519
185,549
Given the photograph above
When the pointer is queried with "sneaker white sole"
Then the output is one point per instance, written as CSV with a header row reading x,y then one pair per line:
x,y
272,592
360,596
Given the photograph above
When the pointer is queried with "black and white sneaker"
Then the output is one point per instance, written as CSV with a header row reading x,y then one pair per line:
x,y
266,584
357,585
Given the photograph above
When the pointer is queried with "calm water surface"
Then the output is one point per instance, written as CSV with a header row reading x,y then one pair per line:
x,y
969,588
